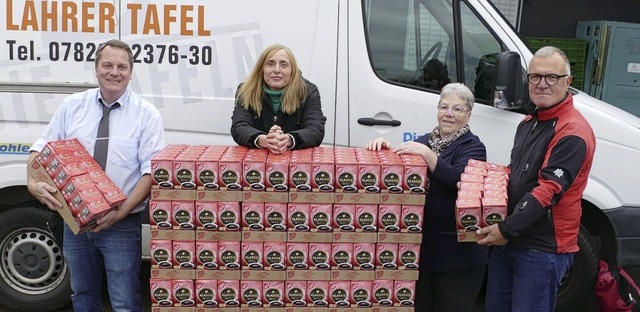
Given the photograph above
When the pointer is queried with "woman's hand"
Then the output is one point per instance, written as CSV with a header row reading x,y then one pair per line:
x,y
378,144
416,148
412,148
276,141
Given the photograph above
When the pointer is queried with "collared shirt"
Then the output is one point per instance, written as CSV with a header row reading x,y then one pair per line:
x,y
136,133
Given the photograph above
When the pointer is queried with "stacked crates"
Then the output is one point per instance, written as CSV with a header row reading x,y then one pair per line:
x,y
575,49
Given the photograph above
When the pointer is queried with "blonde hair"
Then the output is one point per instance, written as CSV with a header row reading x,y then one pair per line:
x,y
251,91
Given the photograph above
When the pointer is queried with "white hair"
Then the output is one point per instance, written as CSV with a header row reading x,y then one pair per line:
x,y
459,90
551,50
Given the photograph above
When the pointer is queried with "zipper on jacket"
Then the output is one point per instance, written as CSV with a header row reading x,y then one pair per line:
x,y
535,124
525,166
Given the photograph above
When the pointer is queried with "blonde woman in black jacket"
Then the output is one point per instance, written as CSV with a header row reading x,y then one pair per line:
x,y
276,108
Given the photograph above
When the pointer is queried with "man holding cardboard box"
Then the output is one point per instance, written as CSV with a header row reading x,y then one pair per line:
x,y
550,162
124,131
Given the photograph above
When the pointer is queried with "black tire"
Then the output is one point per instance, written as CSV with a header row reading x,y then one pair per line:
x,y
577,284
33,274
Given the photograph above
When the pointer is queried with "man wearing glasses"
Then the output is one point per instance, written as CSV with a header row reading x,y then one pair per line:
x,y
550,162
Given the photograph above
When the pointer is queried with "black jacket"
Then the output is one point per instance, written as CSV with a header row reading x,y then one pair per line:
x,y
440,250
306,125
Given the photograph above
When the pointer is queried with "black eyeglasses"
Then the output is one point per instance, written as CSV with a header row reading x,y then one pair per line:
x,y
551,79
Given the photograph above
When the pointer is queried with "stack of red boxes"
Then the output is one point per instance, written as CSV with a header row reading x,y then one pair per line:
x,y
85,191
482,198
307,230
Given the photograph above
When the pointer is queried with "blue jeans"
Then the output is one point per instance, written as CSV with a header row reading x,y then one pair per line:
x,y
522,280
118,251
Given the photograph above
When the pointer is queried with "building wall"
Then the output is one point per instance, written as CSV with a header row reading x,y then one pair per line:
x,y
558,18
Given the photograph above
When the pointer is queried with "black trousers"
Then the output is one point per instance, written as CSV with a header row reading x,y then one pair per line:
x,y
449,291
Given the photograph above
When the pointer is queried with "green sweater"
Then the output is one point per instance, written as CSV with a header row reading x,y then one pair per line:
x,y
276,98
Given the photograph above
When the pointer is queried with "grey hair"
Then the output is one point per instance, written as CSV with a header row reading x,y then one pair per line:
x,y
459,90
550,51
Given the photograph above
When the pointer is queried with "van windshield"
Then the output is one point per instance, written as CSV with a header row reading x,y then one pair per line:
x,y
412,43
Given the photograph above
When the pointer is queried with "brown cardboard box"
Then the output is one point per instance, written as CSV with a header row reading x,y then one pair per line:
x,y
170,194
177,309
259,236
353,237
406,275
218,274
38,173
311,197
357,198
305,309
173,273
308,275
408,238
309,237
174,234
468,237
265,197
352,275
216,236
216,196
403,199
258,275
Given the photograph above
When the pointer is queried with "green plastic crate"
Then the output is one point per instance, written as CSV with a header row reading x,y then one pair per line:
x,y
575,49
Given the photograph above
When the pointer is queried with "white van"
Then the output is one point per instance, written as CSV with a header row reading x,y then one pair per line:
x,y
371,59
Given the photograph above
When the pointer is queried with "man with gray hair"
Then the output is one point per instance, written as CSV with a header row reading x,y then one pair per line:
x,y
550,162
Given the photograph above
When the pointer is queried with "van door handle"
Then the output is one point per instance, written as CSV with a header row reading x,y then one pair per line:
x,y
378,122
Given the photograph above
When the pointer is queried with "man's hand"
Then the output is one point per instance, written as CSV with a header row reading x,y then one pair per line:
x,y
43,193
112,217
492,236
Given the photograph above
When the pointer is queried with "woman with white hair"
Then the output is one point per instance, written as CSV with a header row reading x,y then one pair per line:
x,y
451,273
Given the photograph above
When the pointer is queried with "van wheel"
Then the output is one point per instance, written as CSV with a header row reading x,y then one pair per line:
x,y
33,274
577,285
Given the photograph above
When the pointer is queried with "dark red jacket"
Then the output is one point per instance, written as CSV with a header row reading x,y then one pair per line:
x,y
550,162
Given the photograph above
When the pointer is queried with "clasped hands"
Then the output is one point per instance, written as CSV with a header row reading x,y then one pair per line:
x,y
276,141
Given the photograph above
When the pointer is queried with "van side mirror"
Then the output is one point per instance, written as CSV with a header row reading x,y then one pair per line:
x,y
510,88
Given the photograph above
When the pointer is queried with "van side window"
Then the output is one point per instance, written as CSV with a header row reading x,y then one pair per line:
x,y
480,51
411,42
408,43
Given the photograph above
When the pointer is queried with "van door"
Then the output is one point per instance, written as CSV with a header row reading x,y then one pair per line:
x,y
191,55
414,48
